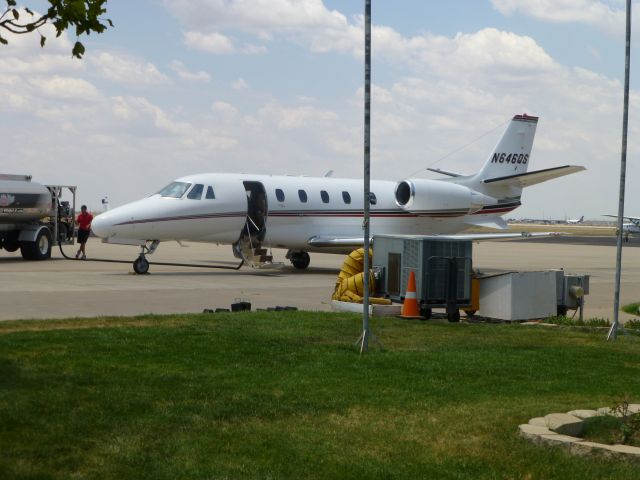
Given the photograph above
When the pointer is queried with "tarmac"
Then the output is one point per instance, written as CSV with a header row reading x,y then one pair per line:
x,y
60,288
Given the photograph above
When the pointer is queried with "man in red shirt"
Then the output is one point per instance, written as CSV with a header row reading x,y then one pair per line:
x,y
84,228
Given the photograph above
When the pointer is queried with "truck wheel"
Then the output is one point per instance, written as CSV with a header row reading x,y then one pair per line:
x,y
38,250
454,316
141,266
11,245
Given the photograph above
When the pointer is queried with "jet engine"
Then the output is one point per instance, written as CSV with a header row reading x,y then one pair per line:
x,y
425,196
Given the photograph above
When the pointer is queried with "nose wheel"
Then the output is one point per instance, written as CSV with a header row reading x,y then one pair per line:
x,y
141,265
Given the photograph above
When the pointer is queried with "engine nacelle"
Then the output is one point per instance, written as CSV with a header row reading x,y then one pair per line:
x,y
438,197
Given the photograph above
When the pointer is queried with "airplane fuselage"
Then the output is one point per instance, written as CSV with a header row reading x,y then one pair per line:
x,y
290,210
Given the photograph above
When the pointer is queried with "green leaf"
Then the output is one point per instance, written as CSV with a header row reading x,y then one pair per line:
x,y
78,50
28,11
11,3
16,15
3,41
42,40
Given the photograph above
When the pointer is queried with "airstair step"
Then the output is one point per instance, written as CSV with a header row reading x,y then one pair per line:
x,y
260,251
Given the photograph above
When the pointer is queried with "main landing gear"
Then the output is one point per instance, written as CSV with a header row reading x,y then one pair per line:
x,y
300,259
141,264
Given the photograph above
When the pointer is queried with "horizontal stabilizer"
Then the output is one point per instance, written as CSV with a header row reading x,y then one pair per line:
x,y
532,178
498,223
444,172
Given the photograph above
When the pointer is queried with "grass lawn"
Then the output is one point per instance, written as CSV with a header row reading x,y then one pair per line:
x,y
285,395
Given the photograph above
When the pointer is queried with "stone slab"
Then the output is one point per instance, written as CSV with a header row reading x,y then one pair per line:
x,y
538,421
564,424
557,438
583,413
528,430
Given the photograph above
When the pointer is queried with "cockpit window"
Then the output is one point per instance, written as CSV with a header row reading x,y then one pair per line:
x,y
196,192
174,190
210,194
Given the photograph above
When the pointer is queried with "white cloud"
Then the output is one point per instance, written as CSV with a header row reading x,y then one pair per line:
x,y
294,117
239,84
219,44
65,88
604,15
185,74
257,16
213,42
124,69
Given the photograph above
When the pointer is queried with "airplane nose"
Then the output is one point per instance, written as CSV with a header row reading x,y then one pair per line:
x,y
101,225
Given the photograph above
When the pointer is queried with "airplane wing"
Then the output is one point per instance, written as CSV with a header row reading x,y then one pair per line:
x,y
538,176
624,217
329,241
495,223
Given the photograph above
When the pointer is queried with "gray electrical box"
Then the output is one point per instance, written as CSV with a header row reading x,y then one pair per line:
x,y
570,290
442,269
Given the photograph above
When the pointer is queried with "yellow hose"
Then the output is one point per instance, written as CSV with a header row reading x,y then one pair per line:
x,y
350,282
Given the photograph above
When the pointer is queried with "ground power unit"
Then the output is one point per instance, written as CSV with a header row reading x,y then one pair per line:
x,y
442,269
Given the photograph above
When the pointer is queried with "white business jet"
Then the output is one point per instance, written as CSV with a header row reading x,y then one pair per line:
x,y
324,214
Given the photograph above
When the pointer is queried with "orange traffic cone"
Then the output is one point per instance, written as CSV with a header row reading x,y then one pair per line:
x,y
410,306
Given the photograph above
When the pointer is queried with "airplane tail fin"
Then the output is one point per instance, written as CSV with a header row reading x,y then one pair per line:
x,y
504,174
511,154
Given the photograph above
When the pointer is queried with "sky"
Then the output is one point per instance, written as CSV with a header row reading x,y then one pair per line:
x,y
276,86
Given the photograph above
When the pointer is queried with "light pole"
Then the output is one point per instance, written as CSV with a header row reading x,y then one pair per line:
x,y
366,333
613,331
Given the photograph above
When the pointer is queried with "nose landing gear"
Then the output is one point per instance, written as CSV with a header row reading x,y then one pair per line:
x,y
141,264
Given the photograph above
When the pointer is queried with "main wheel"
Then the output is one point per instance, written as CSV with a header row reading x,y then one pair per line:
x,y
141,266
38,250
300,260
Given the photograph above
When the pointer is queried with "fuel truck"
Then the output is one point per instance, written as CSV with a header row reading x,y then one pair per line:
x,y
33,216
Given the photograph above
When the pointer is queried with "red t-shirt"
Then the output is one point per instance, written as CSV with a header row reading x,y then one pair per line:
x,y
84,221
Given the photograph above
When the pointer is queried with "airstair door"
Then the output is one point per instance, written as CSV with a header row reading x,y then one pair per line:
x,y
257,209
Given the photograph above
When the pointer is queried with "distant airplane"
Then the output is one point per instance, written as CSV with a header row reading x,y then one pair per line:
x,y
324,214
574,221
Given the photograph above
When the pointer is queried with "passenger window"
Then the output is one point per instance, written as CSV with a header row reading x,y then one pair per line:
x,y
279,195
372,198
196,192
325,196
210,194
303,196
346,197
